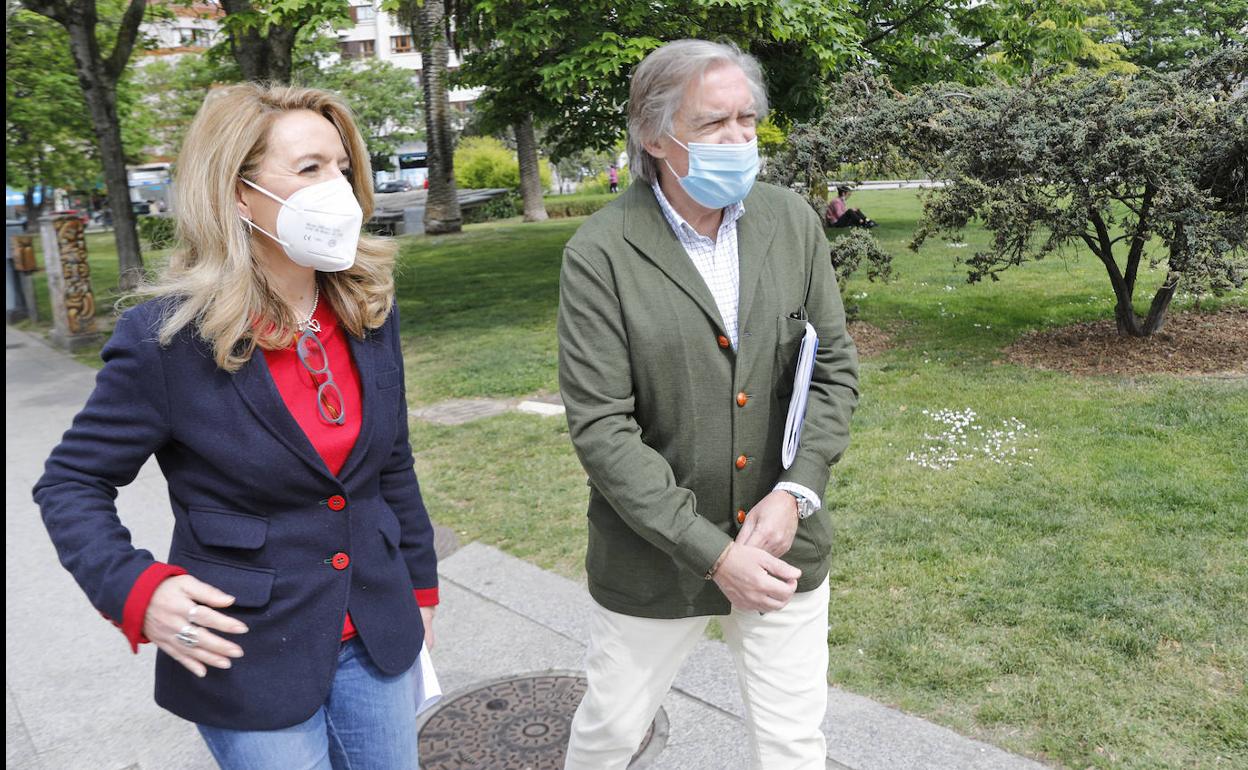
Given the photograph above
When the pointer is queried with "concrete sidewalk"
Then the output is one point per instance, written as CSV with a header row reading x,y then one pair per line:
x,y
76,698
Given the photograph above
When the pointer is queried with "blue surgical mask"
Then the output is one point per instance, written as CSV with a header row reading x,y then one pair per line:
x,y
719,174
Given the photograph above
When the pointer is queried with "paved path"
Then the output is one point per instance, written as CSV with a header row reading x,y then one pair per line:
x,y
76,698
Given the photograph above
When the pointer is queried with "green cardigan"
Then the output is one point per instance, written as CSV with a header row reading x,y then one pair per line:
x,y
652,395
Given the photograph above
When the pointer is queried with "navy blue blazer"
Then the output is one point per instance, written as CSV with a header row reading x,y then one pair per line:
x,y
250,499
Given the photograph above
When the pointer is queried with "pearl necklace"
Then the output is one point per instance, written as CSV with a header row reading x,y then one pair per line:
x,y
312,324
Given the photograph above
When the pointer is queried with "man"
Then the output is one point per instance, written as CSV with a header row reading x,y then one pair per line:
x,y
682,309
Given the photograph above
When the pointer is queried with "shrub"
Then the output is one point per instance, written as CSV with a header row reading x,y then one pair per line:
x,y
159,232
502,207
849,251
576,205
485,162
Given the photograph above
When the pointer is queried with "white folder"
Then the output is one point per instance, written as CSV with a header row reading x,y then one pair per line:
x,y
801,390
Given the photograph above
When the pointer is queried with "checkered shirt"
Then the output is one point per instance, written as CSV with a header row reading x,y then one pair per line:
x,y
715,260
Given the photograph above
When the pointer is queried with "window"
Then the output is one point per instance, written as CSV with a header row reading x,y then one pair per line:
x,y
363,13
401,44
357,49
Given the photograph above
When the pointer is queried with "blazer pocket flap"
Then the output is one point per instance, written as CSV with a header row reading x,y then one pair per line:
x,y
226,529
390,529
250,586
387,378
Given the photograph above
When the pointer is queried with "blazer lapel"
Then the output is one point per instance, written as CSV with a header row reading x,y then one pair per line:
x,y
259,392
755,231
363,351
647,229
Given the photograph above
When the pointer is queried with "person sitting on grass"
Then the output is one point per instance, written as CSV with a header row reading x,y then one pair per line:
x,y
838,213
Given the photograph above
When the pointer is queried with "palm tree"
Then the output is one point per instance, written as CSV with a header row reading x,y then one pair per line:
x,y
427,20
530,173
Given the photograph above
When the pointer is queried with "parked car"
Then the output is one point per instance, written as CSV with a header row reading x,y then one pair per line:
x,y
394,186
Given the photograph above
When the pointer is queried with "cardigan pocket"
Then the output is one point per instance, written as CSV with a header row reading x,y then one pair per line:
x,y
250,586
228,529
789,335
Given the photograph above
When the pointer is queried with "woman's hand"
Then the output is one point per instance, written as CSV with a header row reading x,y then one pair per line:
x,y
184,604
426,616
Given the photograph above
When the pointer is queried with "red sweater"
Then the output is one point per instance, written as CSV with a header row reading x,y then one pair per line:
x,y
333,442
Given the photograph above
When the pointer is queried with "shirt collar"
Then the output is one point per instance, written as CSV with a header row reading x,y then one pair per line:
x,y
683,230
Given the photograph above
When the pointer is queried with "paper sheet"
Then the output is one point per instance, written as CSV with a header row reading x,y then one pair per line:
x,y
428,691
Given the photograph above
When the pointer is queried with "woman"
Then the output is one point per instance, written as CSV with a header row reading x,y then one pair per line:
x,y
266,375
839,214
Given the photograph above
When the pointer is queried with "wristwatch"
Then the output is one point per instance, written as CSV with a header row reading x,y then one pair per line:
x,y
805,507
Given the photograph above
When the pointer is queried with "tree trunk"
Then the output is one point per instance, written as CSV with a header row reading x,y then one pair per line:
x,y
442,213
100,91
1124,314
530,170
33,210
263,58
1161,304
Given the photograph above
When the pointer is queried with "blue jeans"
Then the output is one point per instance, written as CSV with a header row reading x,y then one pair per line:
x,y
368,722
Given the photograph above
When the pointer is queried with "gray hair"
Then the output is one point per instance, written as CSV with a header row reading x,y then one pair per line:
x,y
658,88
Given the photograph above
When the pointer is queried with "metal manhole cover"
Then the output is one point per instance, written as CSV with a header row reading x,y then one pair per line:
x,y
518,723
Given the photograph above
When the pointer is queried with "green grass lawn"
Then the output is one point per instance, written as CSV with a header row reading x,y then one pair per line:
x,y
1088,608
1084,602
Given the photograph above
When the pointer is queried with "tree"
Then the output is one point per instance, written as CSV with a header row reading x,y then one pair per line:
x,y
505,56
383,98
567,63
47,128
263,33
924,41
1112,162
1170,34
173,91
98,75
427,21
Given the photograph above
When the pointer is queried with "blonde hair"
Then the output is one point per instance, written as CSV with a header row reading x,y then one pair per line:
x,y
218,286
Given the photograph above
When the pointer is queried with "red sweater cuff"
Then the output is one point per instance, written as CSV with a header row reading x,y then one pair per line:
x,y
141,596
426,597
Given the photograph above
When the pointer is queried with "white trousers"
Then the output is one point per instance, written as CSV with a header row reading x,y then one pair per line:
x,y
782,667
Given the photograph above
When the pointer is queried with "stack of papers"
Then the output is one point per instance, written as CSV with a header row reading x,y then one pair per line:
x,y
801,389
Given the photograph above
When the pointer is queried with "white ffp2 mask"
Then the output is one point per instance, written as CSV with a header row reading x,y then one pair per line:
x,y
318,226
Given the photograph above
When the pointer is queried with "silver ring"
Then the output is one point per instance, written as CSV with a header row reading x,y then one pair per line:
x,y
189,635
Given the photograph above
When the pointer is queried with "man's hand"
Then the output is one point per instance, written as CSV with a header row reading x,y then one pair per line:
x,y
753,579
771,524
426,616
182,601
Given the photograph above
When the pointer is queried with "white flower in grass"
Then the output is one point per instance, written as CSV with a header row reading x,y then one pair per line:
x,y
963,438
